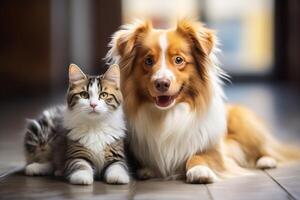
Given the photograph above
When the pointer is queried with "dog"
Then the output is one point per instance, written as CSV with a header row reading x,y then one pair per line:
x,y
179,125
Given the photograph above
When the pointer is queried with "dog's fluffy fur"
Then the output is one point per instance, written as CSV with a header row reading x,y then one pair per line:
x,y
186,130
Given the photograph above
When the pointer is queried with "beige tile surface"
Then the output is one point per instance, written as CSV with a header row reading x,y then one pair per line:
x,y
288,177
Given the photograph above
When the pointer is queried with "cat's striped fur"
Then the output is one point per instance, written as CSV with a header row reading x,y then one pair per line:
x,y
95,119
42,137
77,153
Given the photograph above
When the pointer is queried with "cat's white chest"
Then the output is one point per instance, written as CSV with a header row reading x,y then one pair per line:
x,y
96,140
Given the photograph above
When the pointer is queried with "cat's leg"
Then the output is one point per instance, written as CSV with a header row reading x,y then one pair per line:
x,y
39,169
201,168
117,173
79,172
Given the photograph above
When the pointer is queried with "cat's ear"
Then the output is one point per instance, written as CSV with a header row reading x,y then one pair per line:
x,y
113,74
75,73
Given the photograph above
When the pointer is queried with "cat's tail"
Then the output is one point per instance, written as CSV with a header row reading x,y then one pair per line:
x,y
41,131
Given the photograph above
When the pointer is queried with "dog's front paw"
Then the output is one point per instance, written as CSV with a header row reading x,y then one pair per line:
x,y
266,162
38,169
200,174
81,177
145,173
116,174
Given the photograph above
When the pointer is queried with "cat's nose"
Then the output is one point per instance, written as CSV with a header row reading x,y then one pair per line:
x,y
93,105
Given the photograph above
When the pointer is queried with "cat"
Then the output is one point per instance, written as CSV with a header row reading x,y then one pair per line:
x,y
95,143
94,130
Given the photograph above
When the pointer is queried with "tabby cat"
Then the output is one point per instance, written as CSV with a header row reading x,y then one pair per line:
x,y
94,130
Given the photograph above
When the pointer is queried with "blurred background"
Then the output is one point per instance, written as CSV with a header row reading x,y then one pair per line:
x,y
259,38
38,40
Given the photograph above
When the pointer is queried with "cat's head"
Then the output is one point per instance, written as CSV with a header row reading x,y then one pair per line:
x,y
94,96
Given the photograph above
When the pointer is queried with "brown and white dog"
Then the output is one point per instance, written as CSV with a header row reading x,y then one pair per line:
x,y
174,102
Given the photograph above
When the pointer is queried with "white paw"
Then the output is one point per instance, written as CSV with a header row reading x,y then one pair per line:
x,y
81,177
116,174
200,174
38,169
145,173
266,162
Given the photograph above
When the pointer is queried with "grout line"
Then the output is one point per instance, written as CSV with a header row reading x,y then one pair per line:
x,y
208,192
132,189
281,186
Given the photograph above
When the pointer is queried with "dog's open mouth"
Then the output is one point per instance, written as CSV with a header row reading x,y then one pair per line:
x,y
166,100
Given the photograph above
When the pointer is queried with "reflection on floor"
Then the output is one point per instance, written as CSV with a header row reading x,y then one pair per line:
x,y
278,105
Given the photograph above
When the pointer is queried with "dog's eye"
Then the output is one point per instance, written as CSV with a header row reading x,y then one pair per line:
x,y
84,94
178,60
149,61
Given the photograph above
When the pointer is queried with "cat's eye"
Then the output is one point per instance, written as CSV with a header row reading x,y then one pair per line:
x,y
178,60
149,61
84,94
103,95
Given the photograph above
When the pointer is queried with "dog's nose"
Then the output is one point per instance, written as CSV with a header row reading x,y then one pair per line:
x,y
162,84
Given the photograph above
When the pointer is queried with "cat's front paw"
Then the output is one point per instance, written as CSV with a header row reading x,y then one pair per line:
x,y
200,174
116,174
145,173
81,177
38,169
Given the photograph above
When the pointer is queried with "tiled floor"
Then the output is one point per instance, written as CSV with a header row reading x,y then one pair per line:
x,y
278,105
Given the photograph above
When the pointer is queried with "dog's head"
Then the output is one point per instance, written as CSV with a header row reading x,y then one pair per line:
x,y
164,67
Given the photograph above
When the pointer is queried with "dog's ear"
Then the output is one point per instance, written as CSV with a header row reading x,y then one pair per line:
x,y
202,38
125,40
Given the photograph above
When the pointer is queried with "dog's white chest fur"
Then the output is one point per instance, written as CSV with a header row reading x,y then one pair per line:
x,y
164,140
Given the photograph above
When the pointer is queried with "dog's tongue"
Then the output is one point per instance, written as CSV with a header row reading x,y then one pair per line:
x,y
164,101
